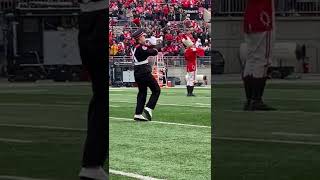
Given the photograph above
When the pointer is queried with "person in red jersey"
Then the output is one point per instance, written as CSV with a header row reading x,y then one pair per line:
x,y
191,54
258,28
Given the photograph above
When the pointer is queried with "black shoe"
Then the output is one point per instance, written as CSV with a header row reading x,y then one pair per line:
x,y
148,115
260,106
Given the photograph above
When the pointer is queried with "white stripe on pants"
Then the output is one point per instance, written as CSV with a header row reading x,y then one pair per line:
x,y
259,48
190,78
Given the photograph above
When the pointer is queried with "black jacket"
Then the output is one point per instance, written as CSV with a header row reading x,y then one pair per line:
x,y
141,54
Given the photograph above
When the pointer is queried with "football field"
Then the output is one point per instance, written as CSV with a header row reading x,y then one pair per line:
x,y
175,145
279,145
42,130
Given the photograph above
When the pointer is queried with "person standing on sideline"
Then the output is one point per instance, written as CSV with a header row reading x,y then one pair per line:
x,y
92,41
143,76
258,28
191,53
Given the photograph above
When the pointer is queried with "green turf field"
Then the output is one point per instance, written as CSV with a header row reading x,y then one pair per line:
x,y
281,145
42,129
159,149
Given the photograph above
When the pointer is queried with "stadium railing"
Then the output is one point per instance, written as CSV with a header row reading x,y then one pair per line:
x,y
283,7
171,61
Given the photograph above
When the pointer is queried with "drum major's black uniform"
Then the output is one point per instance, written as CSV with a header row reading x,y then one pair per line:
x,y
144,78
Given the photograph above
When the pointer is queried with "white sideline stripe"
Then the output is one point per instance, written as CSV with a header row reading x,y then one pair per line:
x,y
42,127
17,178
178,105
203,104
137,176
14,140
129,95
82,129
273,112
294,134
47,105
266,140
162,122
23,91
116,90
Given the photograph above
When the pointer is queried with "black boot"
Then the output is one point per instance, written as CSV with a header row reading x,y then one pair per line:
x,y
257,104
191,91
247,82
188,90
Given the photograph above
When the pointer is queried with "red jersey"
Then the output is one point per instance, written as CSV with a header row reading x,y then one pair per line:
x,y
258,16
190,55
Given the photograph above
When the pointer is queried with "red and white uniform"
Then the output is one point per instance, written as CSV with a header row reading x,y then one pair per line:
x,y
190,55
258,16
258,28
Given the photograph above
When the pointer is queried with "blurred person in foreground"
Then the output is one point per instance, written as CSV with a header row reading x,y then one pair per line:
x,y
258,28
93,52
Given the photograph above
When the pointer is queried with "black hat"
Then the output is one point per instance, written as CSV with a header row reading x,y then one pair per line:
x,y
137,33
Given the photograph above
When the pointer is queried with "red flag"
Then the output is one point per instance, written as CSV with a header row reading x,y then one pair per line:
x,y
258,16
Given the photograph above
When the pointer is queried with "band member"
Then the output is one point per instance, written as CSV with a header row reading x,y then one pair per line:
x,y
190,55
93,52
143,77
258,28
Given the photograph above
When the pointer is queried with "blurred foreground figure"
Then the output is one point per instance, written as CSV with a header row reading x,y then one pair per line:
x,y
93,52
258,28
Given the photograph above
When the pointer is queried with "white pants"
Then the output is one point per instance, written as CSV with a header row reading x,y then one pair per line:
x,y
191,78
259,50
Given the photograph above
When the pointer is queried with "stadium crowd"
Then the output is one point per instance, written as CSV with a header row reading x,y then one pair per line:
x,y
155,9
168,21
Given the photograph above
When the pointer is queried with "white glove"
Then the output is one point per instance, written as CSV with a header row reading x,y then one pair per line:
x,y
153,40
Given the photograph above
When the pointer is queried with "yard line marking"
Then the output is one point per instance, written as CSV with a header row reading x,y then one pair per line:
x,y
162,122
42,127
14,140
38,104
294,134
273,112
113,106
132,175
18,178
23,91
133,95
203,104
266,140
178,105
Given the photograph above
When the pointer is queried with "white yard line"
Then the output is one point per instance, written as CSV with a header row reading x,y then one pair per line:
x,y
42,105
199,105
162,122
17,178
42,127
14,140
132,175
266,140
295,134
273,112
134,95
23,91
82,129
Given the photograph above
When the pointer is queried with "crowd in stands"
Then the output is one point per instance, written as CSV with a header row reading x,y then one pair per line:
x,y
155,9
159,20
